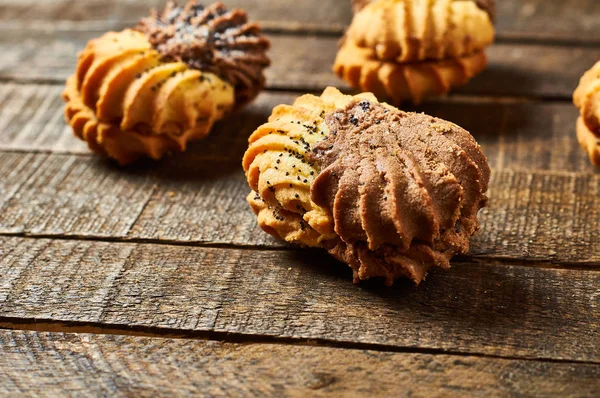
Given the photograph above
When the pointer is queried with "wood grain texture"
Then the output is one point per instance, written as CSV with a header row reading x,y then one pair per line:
x,y
65,193
514,134
530,70
327,15
525,301
15,168
32,119
513,311
57,364
572,20
542,216
547,217
543,181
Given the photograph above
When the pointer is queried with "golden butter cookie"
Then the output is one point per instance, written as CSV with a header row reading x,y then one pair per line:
x,y
439,44
401,81
151,90
587,98
417,30
390,193
488,5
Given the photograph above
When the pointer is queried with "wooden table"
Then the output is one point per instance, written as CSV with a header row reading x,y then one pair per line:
x,y
155,279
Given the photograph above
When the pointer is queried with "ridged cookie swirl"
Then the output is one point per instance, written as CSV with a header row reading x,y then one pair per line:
x,y
399,82
388,192
587,99
212,39
488,6
150,91
418,30
410,49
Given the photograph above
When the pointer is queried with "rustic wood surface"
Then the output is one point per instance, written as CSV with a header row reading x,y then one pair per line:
x,y
510,130
155,279
63,364
543,216
302,295
533,70
566,20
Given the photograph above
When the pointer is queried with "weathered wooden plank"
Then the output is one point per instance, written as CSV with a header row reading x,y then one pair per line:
x,y
32,119
515,311
573,20
322,15
199,196
15,170
58,364
548,217
541,216
70,194
530,70
514,134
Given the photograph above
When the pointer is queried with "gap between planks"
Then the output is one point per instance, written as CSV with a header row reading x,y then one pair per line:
x,y
50,326
475,259
299,296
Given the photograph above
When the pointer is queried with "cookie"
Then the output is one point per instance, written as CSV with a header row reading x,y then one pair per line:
x,y
151,90
390,193
488,6
401,81
589,141
358,5
441,43
587,98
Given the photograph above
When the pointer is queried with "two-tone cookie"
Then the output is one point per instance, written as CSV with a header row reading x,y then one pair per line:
x,y
390,193
152,89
